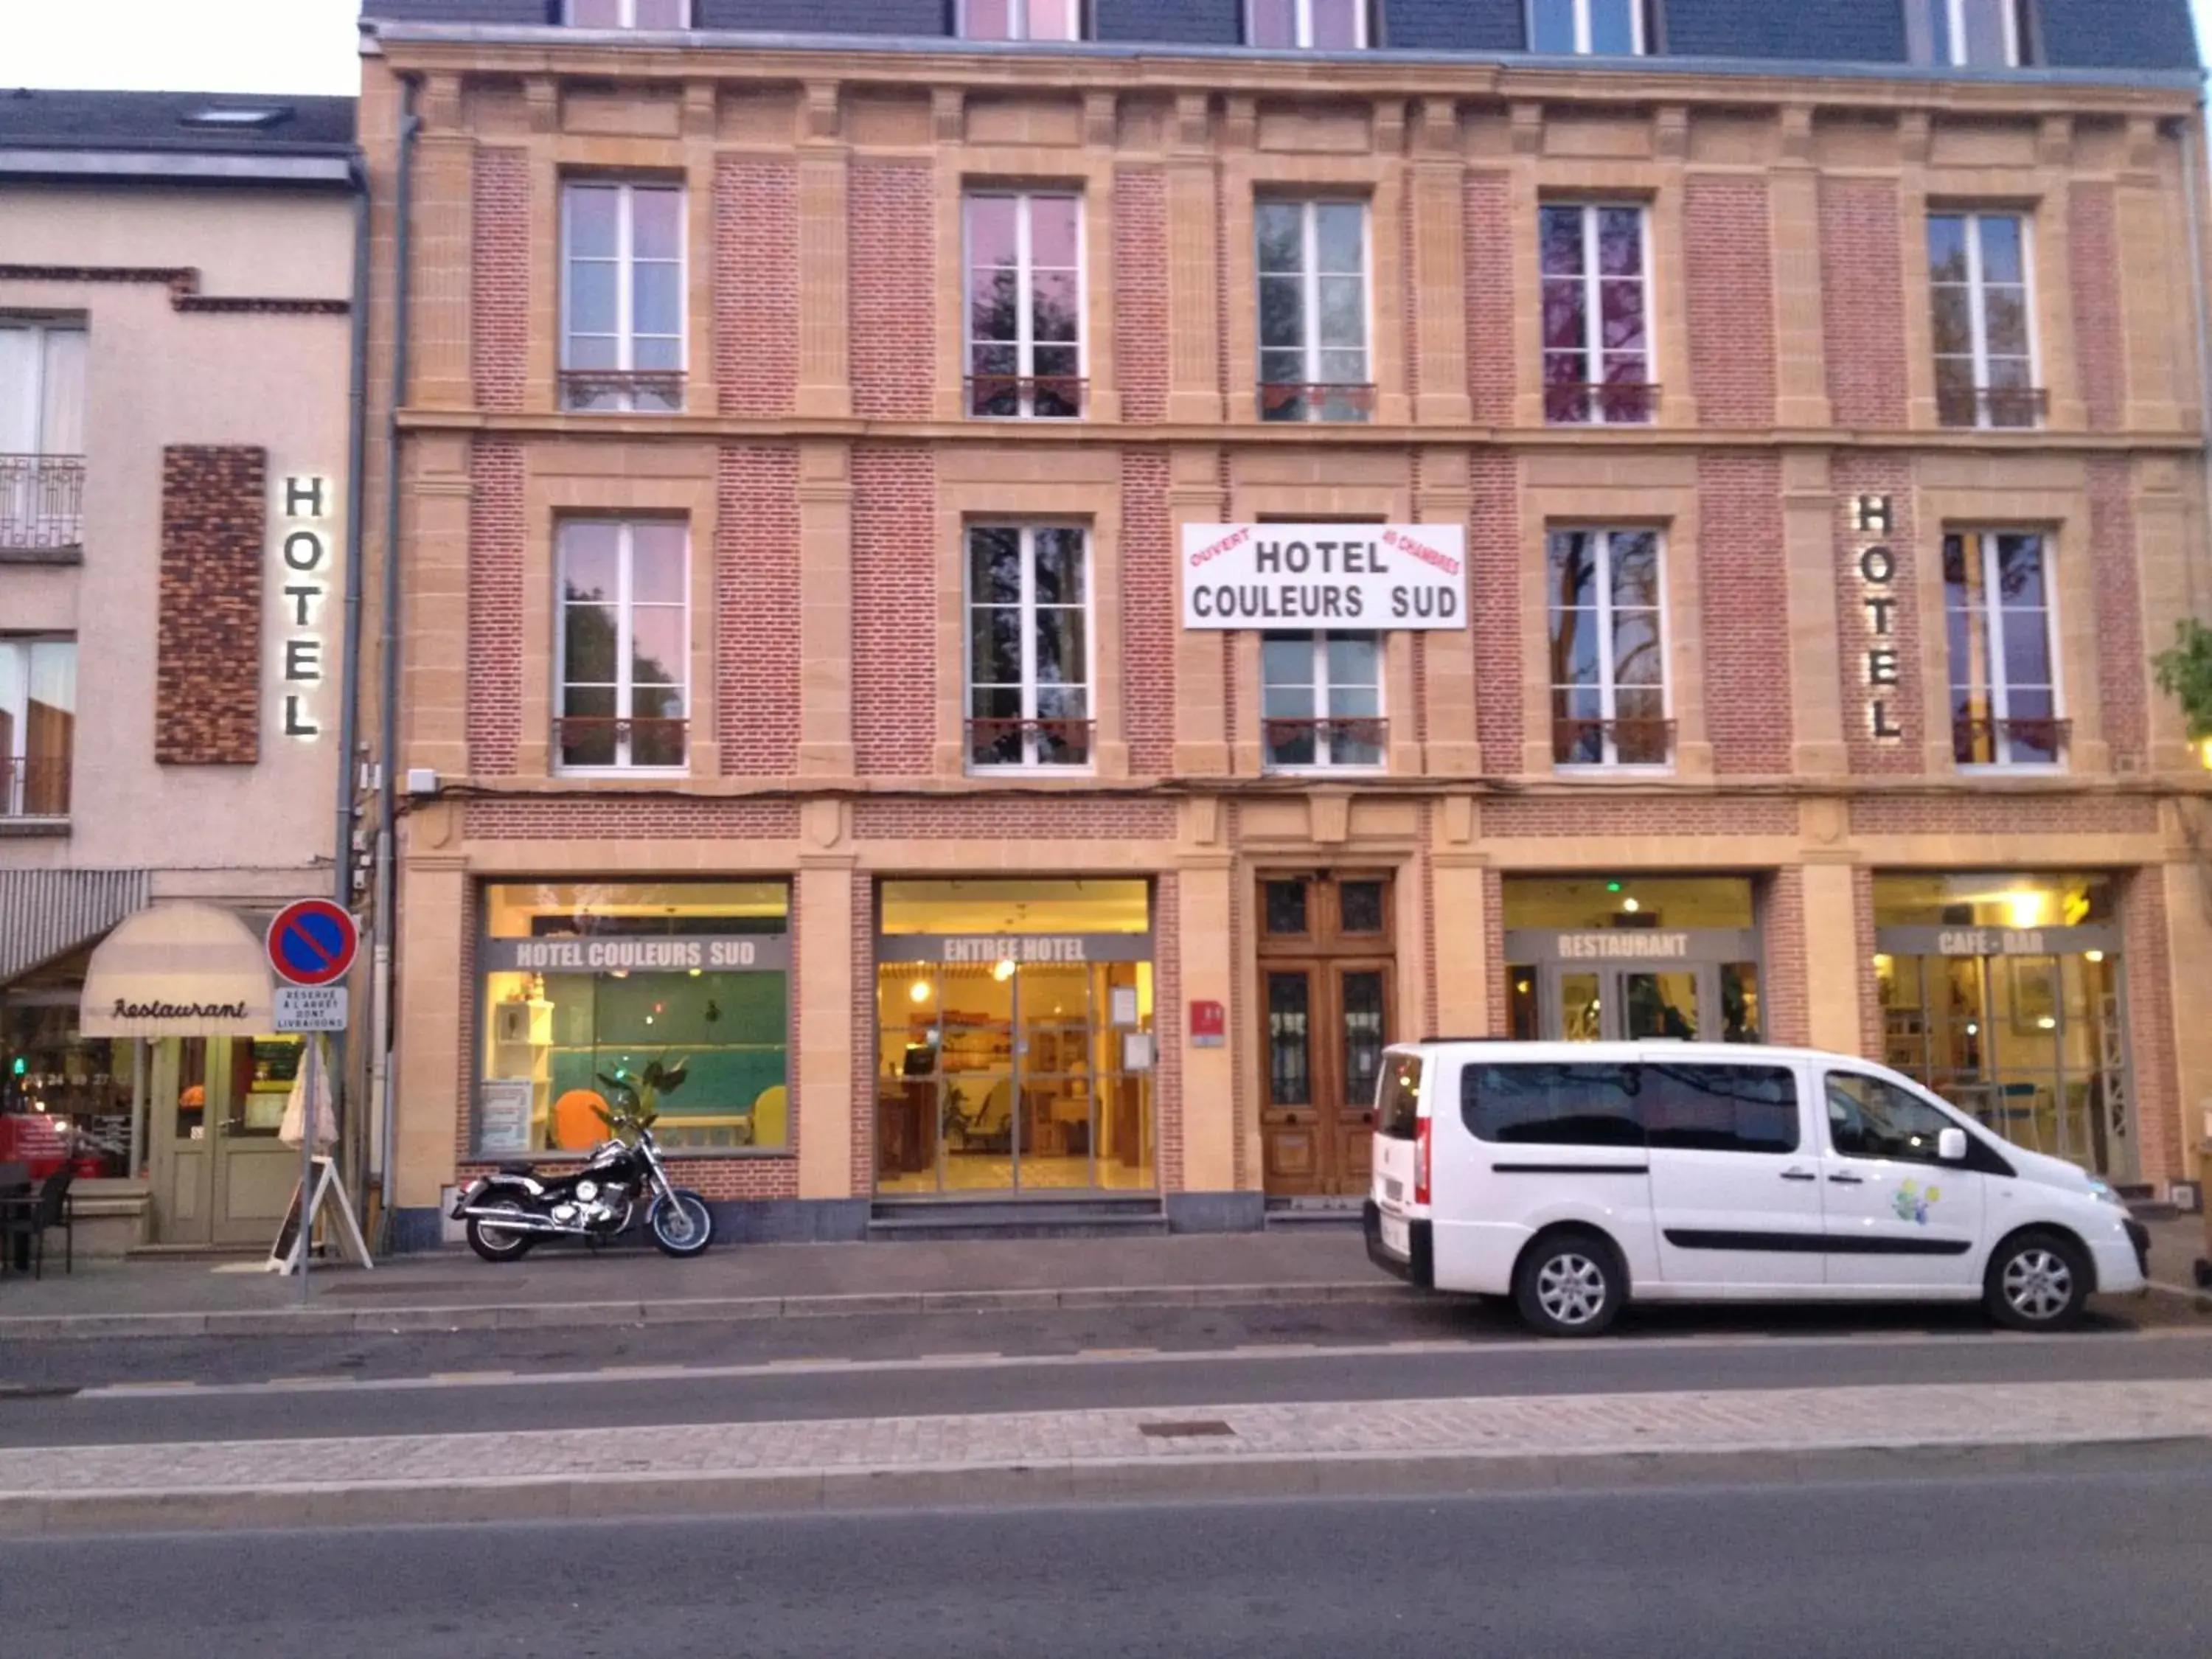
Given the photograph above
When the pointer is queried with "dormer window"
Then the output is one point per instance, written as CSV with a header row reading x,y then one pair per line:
x,y
1968,33
1021,20
630,13
1307,25
238,117
1589,28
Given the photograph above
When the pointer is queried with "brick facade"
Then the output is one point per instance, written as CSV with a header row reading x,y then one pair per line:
x,y
1495,593
892,241
1729,244
1151,617
2092,250
2123,697
208,668
2151,1036
756,287
499,320
496,556
1742,587
894,593
1787,1016
1864,299
757,600
1140,292
1492,329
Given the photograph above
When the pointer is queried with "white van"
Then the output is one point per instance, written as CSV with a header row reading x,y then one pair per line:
x,y
1574,1176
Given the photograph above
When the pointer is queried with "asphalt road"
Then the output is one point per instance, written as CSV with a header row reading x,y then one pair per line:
x,y
2005,1567
655,1376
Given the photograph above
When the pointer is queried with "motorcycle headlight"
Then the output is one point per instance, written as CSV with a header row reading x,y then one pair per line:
x,y
587,1190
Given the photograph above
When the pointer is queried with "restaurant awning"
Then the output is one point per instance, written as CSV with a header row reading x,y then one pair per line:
x,y
45,913
178,970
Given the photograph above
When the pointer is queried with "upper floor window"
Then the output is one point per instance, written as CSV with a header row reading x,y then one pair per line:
x,y
1308,25
37,726
1021,20
1968,33
1611,28
630,13
42,434
1978,271
1024,305
1997,618
621,296
1322,699
1608,649
1313,311
1029,645
625,645
1597,331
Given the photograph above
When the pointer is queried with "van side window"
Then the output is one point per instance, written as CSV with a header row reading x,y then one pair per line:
x,y
1398,1096
1869,1118
1552,1105
1720,1109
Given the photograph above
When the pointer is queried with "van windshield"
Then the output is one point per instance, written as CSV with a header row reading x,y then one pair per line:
x,y
1398,1096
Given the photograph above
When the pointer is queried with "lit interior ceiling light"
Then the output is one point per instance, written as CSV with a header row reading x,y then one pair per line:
x,y
1003,969
2027,909
1631,906
919,990
2096,956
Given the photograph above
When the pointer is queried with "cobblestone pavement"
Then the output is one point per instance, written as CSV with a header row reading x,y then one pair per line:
x,y
1783,1420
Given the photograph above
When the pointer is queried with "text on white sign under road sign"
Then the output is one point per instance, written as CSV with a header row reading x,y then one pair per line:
x,y
311,1008
1370,577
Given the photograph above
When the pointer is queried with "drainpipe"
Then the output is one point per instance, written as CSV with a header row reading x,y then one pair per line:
x,y
349,709
387,743
2193,143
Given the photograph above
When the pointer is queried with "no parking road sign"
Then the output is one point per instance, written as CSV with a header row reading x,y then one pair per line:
x,y
311,942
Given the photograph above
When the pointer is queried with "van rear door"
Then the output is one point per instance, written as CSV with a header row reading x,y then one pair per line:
x,y
1401,1146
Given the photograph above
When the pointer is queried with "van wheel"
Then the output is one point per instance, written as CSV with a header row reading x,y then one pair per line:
x,y
1570,1284
2038,1281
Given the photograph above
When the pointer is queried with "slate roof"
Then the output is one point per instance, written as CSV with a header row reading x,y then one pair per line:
x,y
159,121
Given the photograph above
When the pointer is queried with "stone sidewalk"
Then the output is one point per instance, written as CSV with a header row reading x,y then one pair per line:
x,y
1244,1450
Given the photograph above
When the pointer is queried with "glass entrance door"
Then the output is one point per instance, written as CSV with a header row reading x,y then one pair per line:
x,y
1621,1004
220,1176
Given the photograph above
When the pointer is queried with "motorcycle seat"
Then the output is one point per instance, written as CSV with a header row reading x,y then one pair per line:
x,y
515,1168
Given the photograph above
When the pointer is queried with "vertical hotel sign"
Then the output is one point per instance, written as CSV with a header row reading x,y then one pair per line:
x,y
1872,516
306,544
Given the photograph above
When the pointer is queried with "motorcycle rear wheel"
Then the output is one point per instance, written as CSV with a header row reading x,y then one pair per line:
x,y
495,1243
682,1225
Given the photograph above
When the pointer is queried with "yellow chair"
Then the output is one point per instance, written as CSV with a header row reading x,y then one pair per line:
x,y
772,1116
577,1125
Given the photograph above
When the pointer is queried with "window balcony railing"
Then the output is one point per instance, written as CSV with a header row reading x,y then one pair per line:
x,y
1606,403
37,788
1348,740
2021,407
623,391
1296,400
1983,740
1027,396
1612,743
41,503
1017,743
595,742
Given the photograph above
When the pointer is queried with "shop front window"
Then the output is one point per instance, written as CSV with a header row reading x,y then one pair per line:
x,y
1627,957
672,997
62,1095
1015,1037
2003,993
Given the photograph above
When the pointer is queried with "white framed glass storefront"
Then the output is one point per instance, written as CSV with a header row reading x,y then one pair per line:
x,y
1615,958
1015,1045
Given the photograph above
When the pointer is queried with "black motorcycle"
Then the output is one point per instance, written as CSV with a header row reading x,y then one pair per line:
x,y
513,1209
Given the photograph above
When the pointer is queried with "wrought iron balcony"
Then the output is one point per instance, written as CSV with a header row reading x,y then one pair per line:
x,y
1347,740
584,742
623,391
1981,740
1298,400
1612,743
1027,396
1600,402
35,788
1008,742
2023,407
41,503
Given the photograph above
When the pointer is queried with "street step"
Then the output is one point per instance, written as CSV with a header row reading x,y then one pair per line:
x,y
1303,1214
2144,1205
936,1219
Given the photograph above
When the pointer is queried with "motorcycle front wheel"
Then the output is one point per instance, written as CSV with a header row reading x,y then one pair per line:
x,y
682,1225
497,1243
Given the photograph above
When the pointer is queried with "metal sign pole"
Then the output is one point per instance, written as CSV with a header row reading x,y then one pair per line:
x,y
307,1163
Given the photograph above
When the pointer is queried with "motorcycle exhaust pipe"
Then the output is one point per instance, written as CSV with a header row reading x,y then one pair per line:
x,y
514,1221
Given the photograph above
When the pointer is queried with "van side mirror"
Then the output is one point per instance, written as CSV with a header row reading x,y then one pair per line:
x,y
1951,1146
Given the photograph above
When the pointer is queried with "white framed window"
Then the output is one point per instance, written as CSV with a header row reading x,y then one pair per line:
x,y
1320,701
1968,33
1029,646
1026,298
1306,25
1596,314
623,649
630,13
1981,286
1608,636
1021,20
1999,625
42,368
37,725
1610,28
621,295
1314,325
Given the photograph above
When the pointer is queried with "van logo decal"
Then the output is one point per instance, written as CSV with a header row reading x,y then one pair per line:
x,y
1912,1204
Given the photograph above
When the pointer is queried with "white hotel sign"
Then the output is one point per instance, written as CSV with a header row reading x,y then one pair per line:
x,y
1370,576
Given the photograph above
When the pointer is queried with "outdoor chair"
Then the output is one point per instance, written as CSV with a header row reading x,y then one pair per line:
x,y
26,1221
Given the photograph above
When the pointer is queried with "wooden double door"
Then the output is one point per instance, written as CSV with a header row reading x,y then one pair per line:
x,y
1327,964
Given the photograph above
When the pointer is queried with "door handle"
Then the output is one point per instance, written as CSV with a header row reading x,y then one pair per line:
x,y
1799,1175
1846,1179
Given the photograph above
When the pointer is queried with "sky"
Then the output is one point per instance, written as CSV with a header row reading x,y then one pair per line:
x,y
221,45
